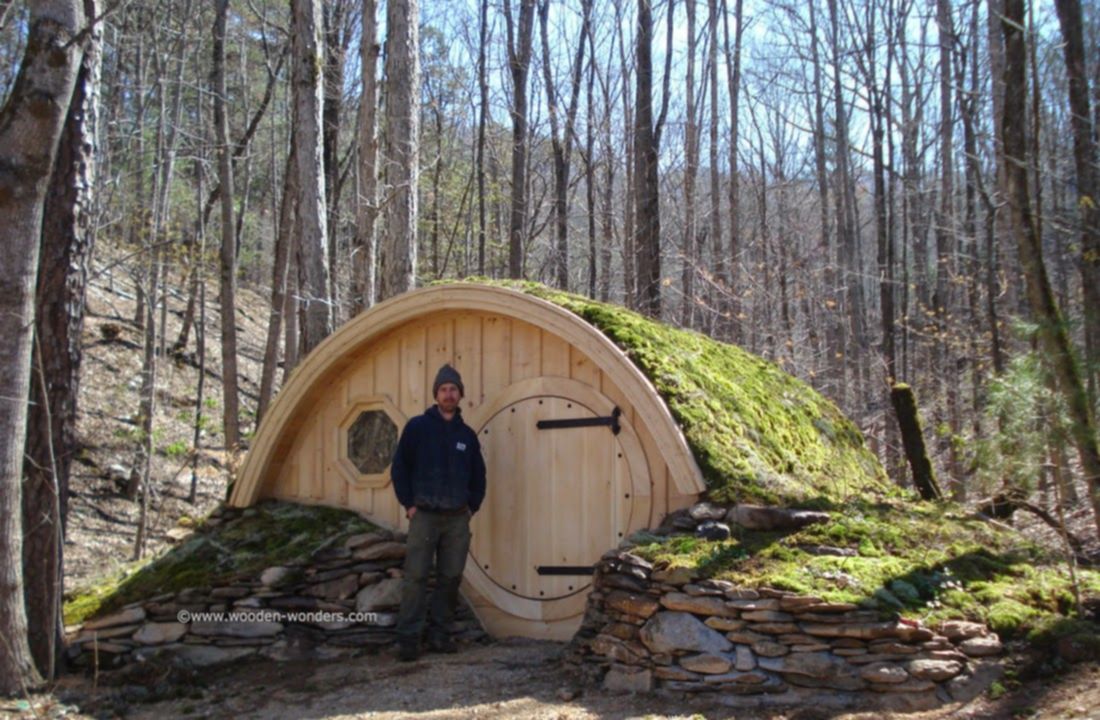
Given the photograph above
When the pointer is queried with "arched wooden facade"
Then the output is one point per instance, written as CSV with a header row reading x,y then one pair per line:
x,y
558,497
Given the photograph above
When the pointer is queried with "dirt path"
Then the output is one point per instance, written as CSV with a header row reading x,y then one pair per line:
x,y
508,679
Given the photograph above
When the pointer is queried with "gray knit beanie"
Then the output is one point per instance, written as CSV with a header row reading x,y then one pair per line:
x,y
448,374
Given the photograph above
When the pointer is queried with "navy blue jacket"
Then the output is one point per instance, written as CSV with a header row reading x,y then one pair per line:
x,y
438,464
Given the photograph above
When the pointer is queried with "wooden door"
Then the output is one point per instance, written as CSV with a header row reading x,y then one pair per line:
x,y
558,497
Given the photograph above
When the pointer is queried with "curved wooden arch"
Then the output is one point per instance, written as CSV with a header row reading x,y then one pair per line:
x,y
336,351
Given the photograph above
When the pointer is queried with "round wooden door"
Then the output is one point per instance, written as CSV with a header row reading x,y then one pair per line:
x,y
565,472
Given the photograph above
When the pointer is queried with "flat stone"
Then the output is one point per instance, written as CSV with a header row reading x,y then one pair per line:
x,y
936,670
850,652
632,604
870,658
379,596
623,679
766,616
754,677
828,607
979,676
753,603
623,631
862,631
884,673
797,639
618,650
115,648
675,673
229,593
624,582
847,643
106,633
746,637
894,648
129,616
668,631
711,530
707,663
797,603
758,517
766,648
369,578
742,594
339,589
698,605
673,575
706,511
386,550
698,590
155,633
776,628
744,660
363,540
982,646
816,665
956,630
810,647
845,681
237,629
723,624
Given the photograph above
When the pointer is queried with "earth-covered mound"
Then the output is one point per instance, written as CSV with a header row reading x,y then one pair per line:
x,y
758,434
222,549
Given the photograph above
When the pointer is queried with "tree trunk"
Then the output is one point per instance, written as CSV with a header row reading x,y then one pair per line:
x,y
691,171
68,236
31,124
1052,329
912,437
647,210
279,276
363,273
313,270
400,157
733,82
228,257
519,62
1084,161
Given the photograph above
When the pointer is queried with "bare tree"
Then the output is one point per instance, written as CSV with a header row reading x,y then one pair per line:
x,y
227,294
519,62
363,274
401,150
647,151
31,124
313,270
1052,327
1084,161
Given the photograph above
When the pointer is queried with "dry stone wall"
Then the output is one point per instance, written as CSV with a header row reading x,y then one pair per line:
x,y
342,601
650,629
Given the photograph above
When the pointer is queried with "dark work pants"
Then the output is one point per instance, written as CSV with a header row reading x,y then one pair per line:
x,y
444,539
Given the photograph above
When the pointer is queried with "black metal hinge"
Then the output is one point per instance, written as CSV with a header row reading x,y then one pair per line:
x,y
565,569
611,421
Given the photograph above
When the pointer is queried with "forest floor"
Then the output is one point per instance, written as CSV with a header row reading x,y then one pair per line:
x,y
509,678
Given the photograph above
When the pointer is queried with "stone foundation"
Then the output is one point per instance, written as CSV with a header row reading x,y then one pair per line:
x,y
649,629
342,601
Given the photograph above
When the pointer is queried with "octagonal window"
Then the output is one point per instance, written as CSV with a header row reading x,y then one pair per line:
x,y
372,439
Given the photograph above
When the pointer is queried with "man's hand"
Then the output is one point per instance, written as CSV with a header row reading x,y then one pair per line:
x,y
409,512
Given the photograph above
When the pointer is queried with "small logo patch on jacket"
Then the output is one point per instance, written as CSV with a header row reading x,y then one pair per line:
x,y
460,446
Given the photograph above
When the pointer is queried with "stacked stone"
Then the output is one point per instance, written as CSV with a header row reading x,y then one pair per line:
x,y
659,629
361,575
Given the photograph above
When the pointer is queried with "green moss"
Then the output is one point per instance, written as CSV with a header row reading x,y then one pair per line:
x,y
758,434
268,534
924,560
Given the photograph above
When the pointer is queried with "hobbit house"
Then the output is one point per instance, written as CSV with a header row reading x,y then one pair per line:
x,y
618,449
593,422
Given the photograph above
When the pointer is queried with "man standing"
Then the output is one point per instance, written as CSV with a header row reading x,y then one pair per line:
x,y
439,477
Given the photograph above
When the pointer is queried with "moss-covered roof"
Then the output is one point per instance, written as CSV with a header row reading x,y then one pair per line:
x,y
924,560
758,433
240,546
